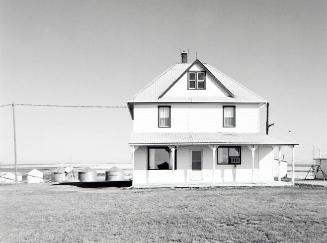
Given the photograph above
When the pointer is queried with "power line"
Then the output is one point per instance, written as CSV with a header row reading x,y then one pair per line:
x,y
71,106
5,105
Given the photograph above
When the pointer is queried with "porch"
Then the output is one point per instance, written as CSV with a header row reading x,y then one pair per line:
x,y
206,185
206,162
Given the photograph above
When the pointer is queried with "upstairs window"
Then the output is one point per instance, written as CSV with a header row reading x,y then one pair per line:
x,y
197,80
229,116
164,118
229,155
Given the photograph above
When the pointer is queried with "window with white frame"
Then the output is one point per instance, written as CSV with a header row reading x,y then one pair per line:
x,y
159,158
192,80
229,116
229,155
201,77
164,116
196,80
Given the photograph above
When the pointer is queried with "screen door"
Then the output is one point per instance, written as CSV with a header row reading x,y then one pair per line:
x,y
196,160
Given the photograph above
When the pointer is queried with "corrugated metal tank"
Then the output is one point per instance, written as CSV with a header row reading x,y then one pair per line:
x,y
58,175
87,175
115,174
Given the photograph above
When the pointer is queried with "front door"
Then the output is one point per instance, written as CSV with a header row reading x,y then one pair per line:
x,y
196,173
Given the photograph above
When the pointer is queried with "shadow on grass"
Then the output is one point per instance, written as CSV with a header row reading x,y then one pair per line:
x,y
97,184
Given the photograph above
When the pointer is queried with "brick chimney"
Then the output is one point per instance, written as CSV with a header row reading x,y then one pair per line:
x,y
184,56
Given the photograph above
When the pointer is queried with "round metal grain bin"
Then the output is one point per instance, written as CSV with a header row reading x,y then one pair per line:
x,y
87,175
115,174
58,175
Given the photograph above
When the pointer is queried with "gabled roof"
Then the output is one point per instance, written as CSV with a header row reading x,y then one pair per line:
x,y
192,138
208,71
156,90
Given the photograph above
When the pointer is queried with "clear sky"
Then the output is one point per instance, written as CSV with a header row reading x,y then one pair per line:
x,y
102,52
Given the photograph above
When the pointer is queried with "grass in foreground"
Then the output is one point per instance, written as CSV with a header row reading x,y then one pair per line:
x,y
40,213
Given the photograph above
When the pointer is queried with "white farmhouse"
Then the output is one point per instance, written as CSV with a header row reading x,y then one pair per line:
x,y
194,125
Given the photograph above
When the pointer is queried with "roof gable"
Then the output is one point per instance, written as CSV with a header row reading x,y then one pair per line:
x,y
156,90
180,88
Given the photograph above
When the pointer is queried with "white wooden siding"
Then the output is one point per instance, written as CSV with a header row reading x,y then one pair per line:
x,y
199,117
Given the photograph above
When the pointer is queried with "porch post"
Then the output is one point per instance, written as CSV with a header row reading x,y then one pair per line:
x,y
252,164
279,161
214,151
172,149
134,148
172,159
252,148
293,165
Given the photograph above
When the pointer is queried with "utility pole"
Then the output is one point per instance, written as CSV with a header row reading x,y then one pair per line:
x,y
14,134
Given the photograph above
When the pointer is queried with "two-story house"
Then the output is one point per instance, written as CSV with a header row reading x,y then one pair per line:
x,y
194,125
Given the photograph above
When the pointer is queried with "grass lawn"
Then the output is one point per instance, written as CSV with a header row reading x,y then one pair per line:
x,y
42,213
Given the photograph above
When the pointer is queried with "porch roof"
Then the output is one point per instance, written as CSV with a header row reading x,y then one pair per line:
x,y
191,138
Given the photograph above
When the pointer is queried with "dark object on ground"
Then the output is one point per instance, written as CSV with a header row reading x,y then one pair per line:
x,y
163,166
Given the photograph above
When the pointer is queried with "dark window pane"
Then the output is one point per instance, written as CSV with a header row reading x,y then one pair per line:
x,y
201,76
234,159
196,156
201,85
192,85
192,76
196,166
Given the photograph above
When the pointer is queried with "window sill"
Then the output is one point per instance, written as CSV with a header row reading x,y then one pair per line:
x,y
229,164
161,169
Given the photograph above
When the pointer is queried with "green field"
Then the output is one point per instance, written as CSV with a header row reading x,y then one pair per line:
x,y
42,213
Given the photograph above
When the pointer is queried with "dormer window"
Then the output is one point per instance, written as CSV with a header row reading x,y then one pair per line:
x,y
192,80
201,80
196,80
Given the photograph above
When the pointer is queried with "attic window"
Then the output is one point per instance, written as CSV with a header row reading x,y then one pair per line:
x,y
192,81
196,80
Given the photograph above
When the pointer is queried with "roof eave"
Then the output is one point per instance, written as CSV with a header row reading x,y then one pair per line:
x,y
214,143
130,106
